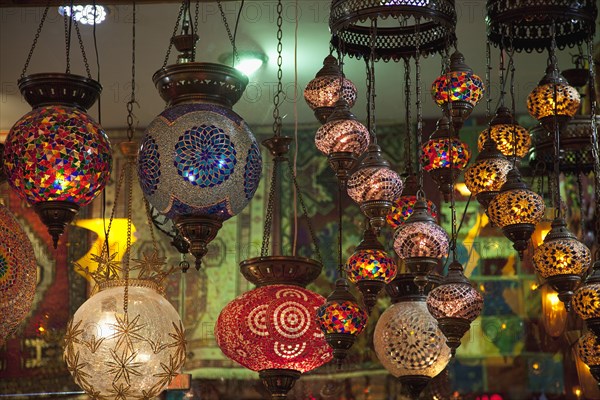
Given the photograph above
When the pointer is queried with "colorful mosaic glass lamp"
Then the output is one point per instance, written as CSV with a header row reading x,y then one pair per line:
x,y
327,88
199,163
370,268
57,158
404,207
407,339
458,90
444,156
18,274
272,329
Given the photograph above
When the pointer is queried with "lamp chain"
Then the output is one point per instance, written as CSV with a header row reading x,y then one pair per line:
x,y
82,48
556,142
420,193
277,98
132,100
195,27
450,152
126,256
372,95
232,39
594,144
35,39
340,230
409,147
264,250
106,248
513,108
488,77
177,22
68,22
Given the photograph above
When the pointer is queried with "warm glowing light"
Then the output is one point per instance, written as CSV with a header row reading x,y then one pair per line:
x,y
462,189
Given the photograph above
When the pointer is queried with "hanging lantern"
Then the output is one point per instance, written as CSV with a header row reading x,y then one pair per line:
x,y
57,158
455,304
113,354
342,139
554,314
437,153
18,274
323,92
512,140
272,330
586,301
541,100
458,90
404,206
589,351
487,174
375,186
421,243
199,163
341,319
516,210
407,340
589,385
561,260
370,268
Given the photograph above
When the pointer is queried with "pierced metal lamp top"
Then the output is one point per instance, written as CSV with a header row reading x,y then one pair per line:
x,y
44,89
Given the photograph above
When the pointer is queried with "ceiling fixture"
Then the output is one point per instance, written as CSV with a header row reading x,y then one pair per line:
x,y
85,14
199,163
57,158
245,61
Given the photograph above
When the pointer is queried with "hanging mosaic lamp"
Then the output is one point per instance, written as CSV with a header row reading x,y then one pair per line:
x,y
589,351
341,319
57,158
485,177
374,186
18,274
455,304
458,90
586,301
561,260
516,210
541,100
512,140
199,163
407,339
421,243
323,92
370,268
342,139
437,153
403,208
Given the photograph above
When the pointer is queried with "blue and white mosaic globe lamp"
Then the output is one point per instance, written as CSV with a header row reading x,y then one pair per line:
x,y
199,164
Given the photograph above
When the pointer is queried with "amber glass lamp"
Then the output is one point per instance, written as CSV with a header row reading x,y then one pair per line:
x,y
512,140
554,314
561,260
370,268
458,90
455,304
586,301
516,210
323,92
589,351
444,156
487,174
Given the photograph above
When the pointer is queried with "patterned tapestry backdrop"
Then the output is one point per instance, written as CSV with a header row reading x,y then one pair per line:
x,y
507,342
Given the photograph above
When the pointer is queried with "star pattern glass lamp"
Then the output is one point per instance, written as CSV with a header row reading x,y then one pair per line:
x,y
374,186
485,177
455,304
323,92
341,319
407,339
199,163
342,139
18,274
586,301
458,90
57,158
516,210
370,268
420,242
589,351
561,260
512,140
444,156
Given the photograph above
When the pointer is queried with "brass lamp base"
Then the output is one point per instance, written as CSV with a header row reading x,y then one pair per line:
x,y
414,384
199,231
322,113
279,381
519,234
460,111
56,215
421,267
341,344
370,290
287,270
454,329
565,285
376,211
342,162
444,177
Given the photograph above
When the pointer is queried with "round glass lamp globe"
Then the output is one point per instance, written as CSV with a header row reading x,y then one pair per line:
x,y
113,355
407,341
199,159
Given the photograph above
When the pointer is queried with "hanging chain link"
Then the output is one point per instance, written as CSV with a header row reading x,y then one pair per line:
x,y
409,145
195,28
106,247
372,94
451,154
277,97
420,192
129,182
132,100
488,80
594,144
150,224
264,250
177,22
35,40
513,106
82,49
230,35
67,21
556,133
